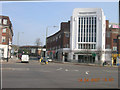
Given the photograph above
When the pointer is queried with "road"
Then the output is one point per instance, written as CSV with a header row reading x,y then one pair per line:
x,y
57,75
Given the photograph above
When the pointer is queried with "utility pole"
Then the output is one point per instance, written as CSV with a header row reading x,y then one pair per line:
x,y
46,38
8,46
18,41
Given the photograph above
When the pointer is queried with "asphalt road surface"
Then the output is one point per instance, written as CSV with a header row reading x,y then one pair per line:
x,y
56,75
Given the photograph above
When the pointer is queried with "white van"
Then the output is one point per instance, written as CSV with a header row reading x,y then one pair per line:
x,y
25,58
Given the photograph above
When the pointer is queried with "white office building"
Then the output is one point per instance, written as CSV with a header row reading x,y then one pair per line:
x,y
87,35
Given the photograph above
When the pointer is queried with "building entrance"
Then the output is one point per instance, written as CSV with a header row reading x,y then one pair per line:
x,y
86,59
66,56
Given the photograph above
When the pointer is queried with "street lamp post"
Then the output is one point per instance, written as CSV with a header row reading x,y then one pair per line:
x,y
46,38
8,47
18,41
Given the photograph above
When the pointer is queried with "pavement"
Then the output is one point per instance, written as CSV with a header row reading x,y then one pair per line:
x,y
35,60
86,64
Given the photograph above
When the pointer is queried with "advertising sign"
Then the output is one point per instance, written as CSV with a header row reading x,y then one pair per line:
x,y
115,26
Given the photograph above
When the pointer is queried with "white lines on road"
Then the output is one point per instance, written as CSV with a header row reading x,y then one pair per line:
x,y
21,69
59,69
17,69
87,72
76,70
66,70
110,71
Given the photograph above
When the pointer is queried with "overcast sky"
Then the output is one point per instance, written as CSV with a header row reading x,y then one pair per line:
x,y
32,18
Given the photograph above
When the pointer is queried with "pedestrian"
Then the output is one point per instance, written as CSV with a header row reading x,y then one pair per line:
x,y
38,58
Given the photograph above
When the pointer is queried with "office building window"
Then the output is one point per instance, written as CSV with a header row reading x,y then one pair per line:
x,y
4,30
3,39
108,46
4,21
87,29
66,34
108,34
114,40
0,21
86,46
73,57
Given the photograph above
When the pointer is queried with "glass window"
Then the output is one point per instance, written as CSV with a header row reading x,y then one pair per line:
x,y
95,46
74,57
89,20
89,46
92,20
3,39
0,21
78,46
108,46
81,20
81,37
4,30
78,39
92,37
84,20
66,34
5,21
95,39
114,40
87,39
108,34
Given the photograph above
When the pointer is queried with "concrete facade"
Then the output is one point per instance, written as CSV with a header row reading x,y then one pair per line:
x,y
88,24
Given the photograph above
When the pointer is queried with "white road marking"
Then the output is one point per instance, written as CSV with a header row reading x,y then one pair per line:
x,y
87,72
19,69
59,69
76,70
66,70
45,71
110,71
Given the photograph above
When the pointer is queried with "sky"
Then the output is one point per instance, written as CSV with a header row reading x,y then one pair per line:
x,y
30,19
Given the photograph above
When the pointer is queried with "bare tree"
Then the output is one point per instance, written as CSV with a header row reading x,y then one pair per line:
x,y
38,42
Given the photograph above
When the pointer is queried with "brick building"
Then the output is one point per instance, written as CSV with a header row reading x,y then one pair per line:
x,y
59,42
113,39
6,35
